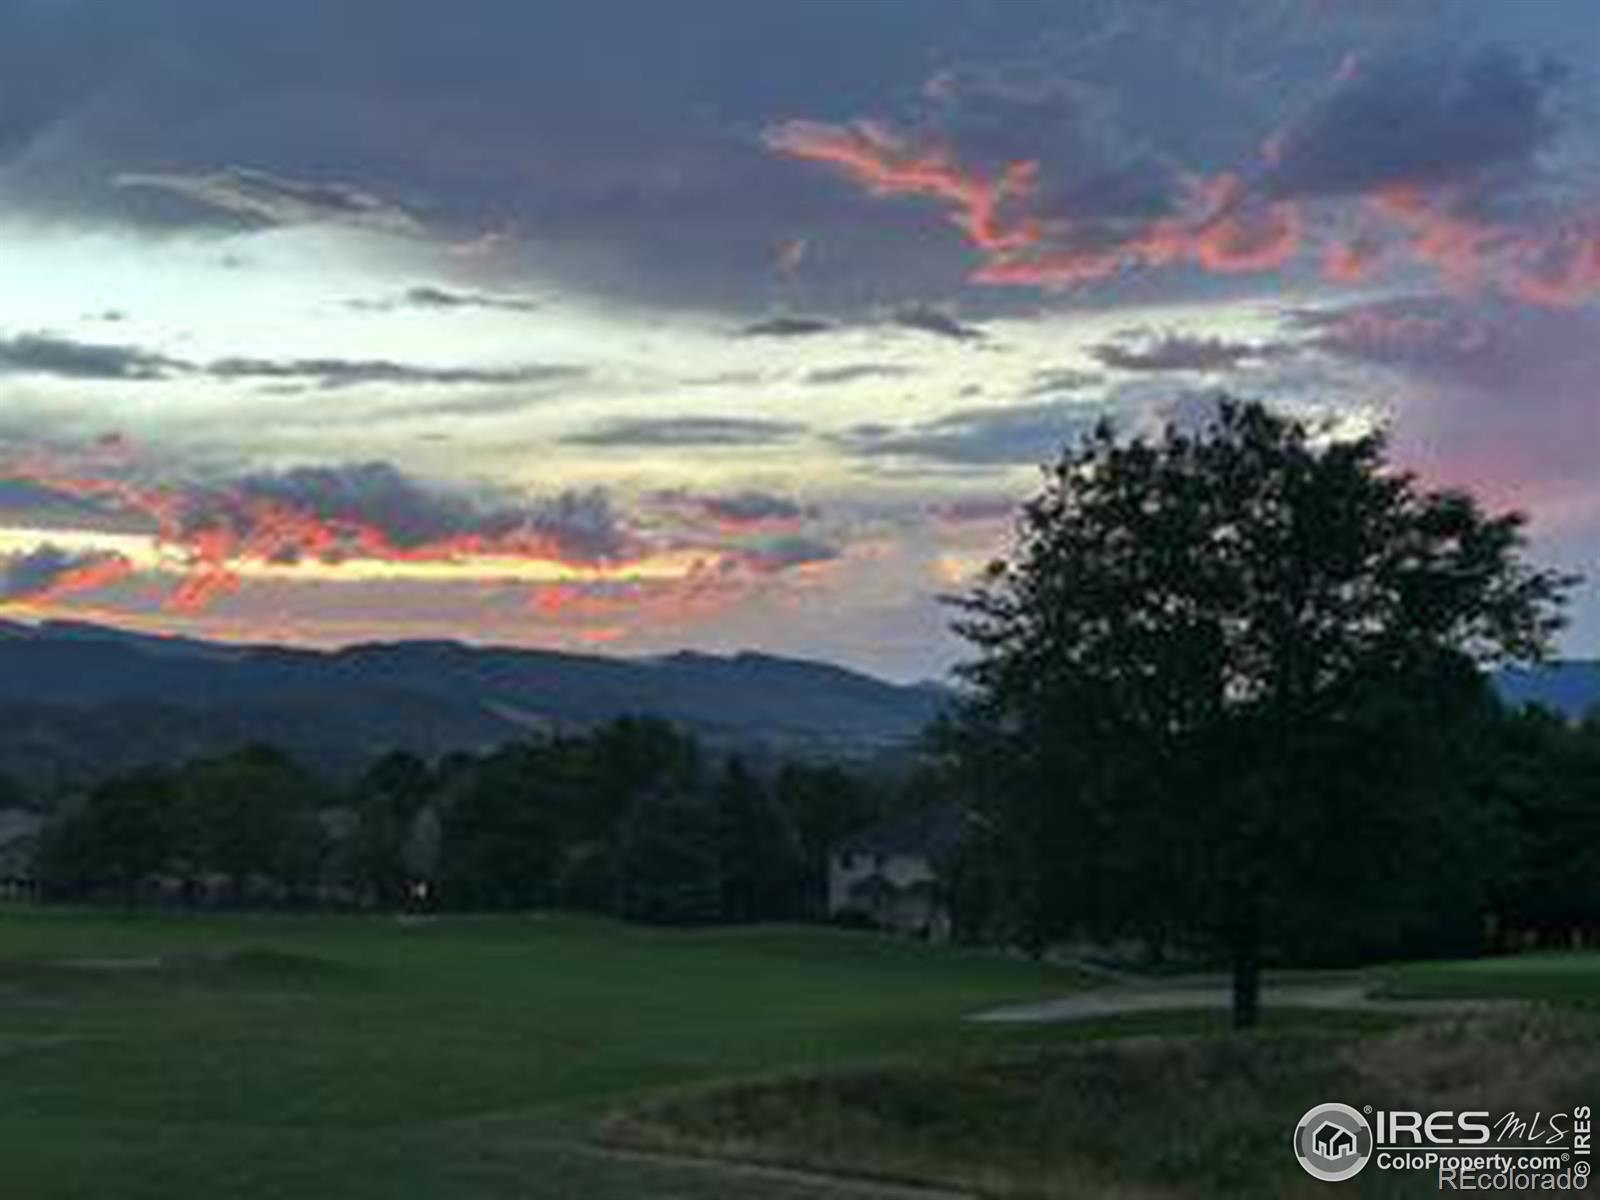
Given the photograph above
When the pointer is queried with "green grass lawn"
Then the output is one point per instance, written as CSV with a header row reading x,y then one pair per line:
x,y
342,1058
323,1058
1565,978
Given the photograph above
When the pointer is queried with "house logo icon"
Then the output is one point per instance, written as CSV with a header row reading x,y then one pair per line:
x,y
1333,1142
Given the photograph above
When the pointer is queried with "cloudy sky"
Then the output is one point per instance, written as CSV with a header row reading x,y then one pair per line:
x,y
742,323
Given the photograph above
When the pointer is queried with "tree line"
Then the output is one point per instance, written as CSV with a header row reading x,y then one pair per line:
x,y
634,819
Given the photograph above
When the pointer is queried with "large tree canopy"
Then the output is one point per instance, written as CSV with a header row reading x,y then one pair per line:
x,y
1221,682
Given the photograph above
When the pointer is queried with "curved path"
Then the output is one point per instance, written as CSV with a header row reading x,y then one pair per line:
x,y
1123,999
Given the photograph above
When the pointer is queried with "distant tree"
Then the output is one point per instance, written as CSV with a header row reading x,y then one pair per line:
x,y
115,841
251,816
633,756
1207,672
389,798
498,842
1546,776
824,802
762,866
667,860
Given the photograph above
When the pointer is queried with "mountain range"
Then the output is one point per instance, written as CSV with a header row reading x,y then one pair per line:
x,y
77,700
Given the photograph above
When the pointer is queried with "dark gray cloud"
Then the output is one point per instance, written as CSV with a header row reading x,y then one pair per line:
x,y
688,431
332,373
542,122
1419,118
442,299
1432,335
925,318
67,358
1062,379
1182,352
262,198
794,550
1094,171
410,513
752,508
787,327
43,354
1000,436
583,521
851,372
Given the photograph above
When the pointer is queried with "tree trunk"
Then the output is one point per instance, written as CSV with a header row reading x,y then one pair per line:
x,y
1246,974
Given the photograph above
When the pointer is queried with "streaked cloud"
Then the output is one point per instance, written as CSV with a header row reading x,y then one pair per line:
x,y
433,298
1181,352
688,431
925,318
787,327
261,197
331,373
45,354
49,574
1003,435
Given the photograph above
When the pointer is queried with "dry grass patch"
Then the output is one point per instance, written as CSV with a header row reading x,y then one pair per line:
x,y
1136,1117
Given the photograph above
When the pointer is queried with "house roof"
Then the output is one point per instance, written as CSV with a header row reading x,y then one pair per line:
x,y
926,832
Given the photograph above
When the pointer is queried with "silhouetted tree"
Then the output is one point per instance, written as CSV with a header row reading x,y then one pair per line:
x,y
1208,667
632,756
763,869
667,860
1547,778
498,843
116,840
388,800
823,803
250,816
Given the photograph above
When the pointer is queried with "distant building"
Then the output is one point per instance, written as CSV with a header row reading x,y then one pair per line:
x,y
889,874
19,838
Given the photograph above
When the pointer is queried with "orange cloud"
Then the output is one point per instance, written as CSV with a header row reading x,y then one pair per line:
x,y
92,574
987,209
1352,260
216,531
1225,225
1225,229
219,536
1561,269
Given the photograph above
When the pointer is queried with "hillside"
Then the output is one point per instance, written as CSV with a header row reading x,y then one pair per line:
x,y
78,699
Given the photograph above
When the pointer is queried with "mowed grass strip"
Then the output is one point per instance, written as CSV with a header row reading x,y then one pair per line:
x,y
1563,978
172,1055
1159,1116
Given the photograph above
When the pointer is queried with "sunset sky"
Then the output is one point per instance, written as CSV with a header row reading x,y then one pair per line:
x,y
633,325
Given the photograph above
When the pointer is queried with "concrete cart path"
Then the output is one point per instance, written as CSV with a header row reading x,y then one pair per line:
x,y
1121,1000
